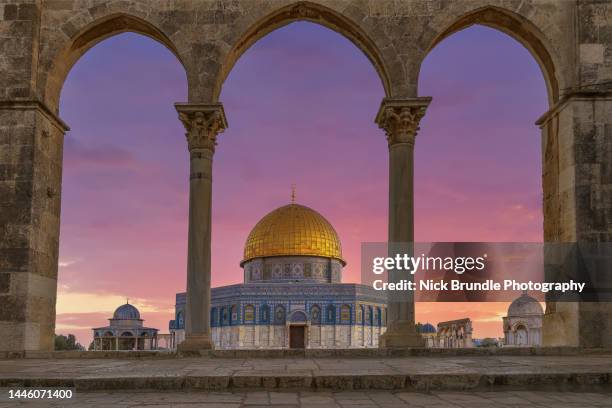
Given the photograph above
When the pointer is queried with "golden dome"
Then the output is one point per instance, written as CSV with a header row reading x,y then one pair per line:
x,y
293,230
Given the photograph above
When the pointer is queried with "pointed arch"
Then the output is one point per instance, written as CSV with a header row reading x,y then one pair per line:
x,y
517,27
304,11
89,36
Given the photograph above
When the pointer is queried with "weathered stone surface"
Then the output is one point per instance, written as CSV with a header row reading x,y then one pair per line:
x,y
40,42
487,373
295,399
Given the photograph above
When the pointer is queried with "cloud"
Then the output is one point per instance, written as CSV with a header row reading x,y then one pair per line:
x,y
79,155
86,302
66,263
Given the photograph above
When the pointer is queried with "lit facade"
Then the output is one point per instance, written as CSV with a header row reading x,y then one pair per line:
x,y
125,331
292,295
523,324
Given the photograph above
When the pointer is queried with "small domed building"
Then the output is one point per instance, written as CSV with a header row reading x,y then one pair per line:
x,y
523,325
125,332
429,334
292,295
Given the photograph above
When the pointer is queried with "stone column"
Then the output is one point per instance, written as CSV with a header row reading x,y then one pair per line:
x,y
203,122
31,148
400,118
577,184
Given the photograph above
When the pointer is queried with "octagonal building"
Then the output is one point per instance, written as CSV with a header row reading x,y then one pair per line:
x,y
292,295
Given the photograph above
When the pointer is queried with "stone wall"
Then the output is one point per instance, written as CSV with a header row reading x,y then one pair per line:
x,y
277,337
40,41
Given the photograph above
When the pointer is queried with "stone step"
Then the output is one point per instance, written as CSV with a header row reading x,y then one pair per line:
x,y
590,381
592,372
319,353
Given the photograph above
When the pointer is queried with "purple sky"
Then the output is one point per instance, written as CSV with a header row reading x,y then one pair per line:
x,y
300,105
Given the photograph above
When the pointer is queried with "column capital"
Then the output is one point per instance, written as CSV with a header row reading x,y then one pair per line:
x,y
203,122
400,118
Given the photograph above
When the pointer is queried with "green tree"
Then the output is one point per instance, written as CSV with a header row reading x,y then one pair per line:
x,y
67,343
488,342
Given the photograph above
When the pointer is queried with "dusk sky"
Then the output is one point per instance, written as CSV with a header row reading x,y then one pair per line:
x,y
300,105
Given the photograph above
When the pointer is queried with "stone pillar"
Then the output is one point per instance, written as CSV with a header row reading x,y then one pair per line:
x,y
400,118
577,184
203,122
31,146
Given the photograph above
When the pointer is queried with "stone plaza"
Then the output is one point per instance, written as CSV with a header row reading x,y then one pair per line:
x,y
326,399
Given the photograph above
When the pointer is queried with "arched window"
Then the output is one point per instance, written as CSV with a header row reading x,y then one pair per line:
x,y
213,316
377,316
234,316
330,315
265,314
224,316
315,314
298,317
360,314
345,314
369,316
249,314
279,315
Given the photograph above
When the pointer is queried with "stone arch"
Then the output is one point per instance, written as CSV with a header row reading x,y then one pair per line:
x,y
517,27
303,11
87,37
298,317
521,334
520,324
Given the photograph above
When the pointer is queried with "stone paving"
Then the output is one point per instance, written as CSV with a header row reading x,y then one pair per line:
x,y
487,373
321,399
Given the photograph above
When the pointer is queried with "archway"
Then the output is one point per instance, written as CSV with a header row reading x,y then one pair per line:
x,y
517,27
123,161
311,12
488,91
521,335
276,140
87,38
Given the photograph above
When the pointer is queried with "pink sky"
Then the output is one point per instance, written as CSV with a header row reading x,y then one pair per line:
x,y
300,105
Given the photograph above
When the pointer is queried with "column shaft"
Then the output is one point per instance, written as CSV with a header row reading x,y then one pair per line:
x,y
197,320
400,120
203,123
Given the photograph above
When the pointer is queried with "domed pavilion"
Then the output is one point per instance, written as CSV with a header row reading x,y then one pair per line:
x,y
125,331
292,295
523,324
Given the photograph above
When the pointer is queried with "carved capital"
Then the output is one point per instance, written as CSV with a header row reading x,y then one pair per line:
x,y
203,122
400,118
